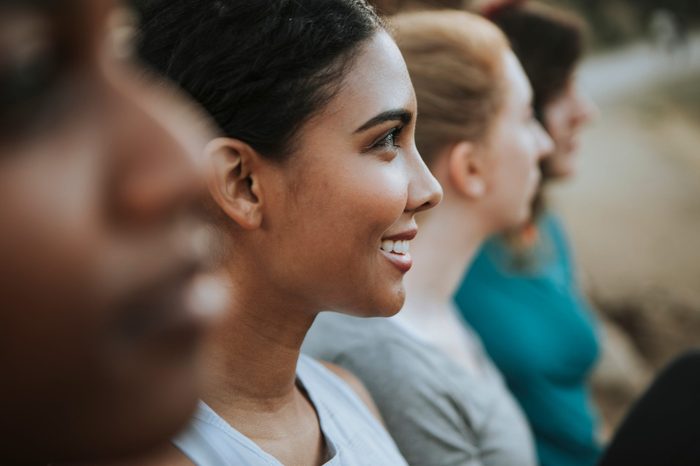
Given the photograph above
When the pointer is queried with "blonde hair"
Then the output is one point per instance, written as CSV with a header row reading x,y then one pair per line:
x,y
455,60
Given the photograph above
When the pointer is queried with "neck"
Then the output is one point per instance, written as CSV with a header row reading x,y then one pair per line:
x,y
252,357
445,246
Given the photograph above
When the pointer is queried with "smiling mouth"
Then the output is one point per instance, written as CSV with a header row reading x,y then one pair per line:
x,y
395,247
397,253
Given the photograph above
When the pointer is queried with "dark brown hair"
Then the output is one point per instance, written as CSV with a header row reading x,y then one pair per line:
x,y
548,41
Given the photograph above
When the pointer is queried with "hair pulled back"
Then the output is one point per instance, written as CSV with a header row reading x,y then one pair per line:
x,y
261,68
548,41
455,60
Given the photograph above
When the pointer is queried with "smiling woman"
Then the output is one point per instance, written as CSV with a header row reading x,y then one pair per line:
x,y
316,175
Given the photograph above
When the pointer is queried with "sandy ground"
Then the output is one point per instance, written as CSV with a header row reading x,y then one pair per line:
x,y
633,211
634,208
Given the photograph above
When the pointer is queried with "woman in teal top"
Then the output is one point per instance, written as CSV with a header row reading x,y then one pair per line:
x,y
539,331
520,294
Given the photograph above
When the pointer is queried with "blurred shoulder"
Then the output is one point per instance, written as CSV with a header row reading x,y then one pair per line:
x,y
167,455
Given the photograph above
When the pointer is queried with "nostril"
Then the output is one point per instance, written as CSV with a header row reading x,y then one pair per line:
x,y
434,197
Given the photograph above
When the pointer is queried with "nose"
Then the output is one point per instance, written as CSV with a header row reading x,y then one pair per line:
x,y
424,191
543,143
586,109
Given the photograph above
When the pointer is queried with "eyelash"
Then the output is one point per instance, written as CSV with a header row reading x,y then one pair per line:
x,y
388,140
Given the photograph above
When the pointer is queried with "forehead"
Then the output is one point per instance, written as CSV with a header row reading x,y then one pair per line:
x,y
518,88
376,82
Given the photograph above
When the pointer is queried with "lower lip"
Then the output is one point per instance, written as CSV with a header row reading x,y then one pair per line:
x,y
403,262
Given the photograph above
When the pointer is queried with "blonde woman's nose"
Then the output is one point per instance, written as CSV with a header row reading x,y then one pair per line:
x,y
545,144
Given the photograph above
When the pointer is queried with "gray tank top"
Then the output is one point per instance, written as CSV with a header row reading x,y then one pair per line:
x,y
439,413
353,436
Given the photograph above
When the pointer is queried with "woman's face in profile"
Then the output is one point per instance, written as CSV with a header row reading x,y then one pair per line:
x,y
564,117
342,211
515,145
98,332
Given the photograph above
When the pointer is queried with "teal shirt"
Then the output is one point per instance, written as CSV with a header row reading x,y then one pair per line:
x,y
540,332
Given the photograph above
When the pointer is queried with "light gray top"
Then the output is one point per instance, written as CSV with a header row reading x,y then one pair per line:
x,y
438,413
353,436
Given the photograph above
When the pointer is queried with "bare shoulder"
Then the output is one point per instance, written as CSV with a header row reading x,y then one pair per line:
x,y
168,455
357,386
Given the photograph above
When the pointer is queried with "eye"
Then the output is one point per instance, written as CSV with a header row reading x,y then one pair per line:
x,y
388,140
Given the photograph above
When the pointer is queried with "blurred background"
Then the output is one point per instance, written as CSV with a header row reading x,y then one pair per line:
x,y
633,210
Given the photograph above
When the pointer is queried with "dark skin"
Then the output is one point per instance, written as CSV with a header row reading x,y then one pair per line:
x,y
97,180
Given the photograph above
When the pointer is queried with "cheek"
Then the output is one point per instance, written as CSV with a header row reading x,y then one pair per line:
x,y
330,246
356,203
518,163
48,325
377,195
48,246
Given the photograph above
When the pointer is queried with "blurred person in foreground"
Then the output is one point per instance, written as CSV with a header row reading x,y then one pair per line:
x,y
521,294
99,304
441,397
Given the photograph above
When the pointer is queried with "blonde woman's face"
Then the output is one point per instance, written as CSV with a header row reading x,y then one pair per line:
x,y
515,146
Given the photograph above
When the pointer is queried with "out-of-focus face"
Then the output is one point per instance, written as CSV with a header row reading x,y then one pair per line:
x,y
98,243
341,214
564,118
513,149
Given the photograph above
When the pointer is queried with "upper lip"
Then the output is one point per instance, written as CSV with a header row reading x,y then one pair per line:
x,y
407,235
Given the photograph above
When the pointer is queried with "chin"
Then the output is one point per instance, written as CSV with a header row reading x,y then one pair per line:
x,y
561,166
563,172
386,305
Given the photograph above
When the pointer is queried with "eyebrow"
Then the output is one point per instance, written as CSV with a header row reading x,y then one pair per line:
x,y
401,115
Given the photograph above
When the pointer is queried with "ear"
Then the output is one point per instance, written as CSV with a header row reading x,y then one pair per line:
x,y
466,170
234,181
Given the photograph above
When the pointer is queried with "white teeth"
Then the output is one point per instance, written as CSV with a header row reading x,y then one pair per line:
x,y
397,247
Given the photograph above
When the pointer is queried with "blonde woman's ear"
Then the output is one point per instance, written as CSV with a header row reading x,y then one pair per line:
x,y
466,170
233,181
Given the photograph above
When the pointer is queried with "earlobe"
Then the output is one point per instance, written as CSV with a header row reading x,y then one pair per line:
x,y
233,181
466,170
